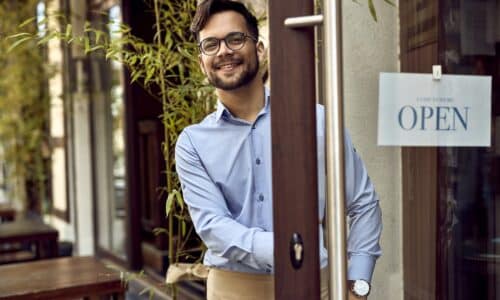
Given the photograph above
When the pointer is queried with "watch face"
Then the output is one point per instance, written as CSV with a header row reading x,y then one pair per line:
x,y
361,287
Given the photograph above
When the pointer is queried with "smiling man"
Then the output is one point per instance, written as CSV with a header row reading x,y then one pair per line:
x,y
224,165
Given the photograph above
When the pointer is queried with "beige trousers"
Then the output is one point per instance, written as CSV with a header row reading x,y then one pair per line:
x,y
229,285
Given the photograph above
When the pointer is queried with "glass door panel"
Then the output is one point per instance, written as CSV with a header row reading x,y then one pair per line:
x,y
109,145
469,194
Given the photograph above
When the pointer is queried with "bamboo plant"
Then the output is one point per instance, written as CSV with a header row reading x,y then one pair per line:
x,y
24,111
168,69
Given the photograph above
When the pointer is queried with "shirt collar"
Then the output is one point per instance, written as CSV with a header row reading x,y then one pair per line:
x,y
222,110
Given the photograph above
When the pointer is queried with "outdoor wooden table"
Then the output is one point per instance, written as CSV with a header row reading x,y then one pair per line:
x,y
27,231
7,213
60,278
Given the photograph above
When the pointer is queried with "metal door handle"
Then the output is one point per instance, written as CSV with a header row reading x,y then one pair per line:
x,y
304,21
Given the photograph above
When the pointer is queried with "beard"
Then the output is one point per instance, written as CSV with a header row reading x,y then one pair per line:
x,y
236,80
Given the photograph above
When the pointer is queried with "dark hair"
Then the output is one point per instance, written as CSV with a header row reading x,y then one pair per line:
x,y
208,8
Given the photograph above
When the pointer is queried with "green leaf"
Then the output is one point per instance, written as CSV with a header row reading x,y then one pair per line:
x,y
110,53
47,38
149,74
86,42
69,30
96,48
98,35
136,75
169,204
183,228
390,2
158,230
373,12
18,35
87,27
17,43
180,201
30,20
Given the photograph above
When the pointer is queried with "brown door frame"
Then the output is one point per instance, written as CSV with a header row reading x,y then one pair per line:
x,y
419,51
293,128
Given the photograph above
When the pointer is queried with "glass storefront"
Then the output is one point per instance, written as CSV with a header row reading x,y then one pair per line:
x,y
469,195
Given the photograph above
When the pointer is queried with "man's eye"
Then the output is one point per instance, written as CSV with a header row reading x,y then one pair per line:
x,y
210,45
235,40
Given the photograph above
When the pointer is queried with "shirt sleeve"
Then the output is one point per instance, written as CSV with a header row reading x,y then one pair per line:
x,y
364,215
211,217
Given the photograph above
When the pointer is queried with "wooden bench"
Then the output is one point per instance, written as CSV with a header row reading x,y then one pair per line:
x,y
60,278
27,235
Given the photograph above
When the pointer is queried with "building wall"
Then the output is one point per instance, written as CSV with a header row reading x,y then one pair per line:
x,y
59,175
370,48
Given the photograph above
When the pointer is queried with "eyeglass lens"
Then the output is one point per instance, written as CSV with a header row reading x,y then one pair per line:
x,y
234,41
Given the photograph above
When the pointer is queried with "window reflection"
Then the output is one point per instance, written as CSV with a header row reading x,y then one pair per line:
x,y
469,195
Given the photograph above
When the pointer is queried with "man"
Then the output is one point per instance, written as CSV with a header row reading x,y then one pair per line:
x,y
224,165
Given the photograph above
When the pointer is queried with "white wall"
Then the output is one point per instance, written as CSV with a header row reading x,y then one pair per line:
x,y
83,176
369,48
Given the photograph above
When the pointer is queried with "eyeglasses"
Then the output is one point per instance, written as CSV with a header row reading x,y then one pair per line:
x,y
234,41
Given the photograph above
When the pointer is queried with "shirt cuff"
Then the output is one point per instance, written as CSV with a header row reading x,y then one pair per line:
x,y
263,249
361,267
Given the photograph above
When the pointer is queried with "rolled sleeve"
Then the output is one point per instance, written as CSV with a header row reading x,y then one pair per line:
x,y
264,248
365,218
361,267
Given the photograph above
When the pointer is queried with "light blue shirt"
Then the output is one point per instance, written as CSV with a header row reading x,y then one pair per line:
x,y
224,165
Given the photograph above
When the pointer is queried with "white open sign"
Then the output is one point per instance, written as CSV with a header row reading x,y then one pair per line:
x,y
415,110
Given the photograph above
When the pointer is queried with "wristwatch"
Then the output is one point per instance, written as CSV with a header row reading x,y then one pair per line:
x,y
360,288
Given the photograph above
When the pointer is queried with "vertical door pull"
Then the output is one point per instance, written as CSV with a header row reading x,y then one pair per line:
x,y
296,250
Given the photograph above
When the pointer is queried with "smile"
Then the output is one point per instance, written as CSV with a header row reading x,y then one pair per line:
x,y
227,66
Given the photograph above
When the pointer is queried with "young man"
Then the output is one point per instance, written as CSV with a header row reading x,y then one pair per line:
x,y
224,164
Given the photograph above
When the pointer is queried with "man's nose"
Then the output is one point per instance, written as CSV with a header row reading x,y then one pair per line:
x,y
224,49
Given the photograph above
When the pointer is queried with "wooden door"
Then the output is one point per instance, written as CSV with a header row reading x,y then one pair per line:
x,y
294,150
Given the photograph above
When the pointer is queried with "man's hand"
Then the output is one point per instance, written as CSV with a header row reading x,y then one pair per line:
x,y
351,296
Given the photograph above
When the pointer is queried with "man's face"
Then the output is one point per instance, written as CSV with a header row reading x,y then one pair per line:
x,y
228,69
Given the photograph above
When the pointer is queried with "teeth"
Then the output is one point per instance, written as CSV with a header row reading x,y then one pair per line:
x,y
230,66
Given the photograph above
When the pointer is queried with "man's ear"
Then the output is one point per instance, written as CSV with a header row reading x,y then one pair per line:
x,y
202,65
261,51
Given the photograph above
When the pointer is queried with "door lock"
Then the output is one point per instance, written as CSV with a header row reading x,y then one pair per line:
x,y
296,250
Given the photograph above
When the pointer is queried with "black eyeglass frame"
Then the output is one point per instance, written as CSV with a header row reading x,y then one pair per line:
x,y
244,35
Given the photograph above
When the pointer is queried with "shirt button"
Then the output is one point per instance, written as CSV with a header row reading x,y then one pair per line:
x,y
257,161
261,197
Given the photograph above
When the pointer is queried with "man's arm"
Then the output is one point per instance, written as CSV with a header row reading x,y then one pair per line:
x,y
365,220
211,217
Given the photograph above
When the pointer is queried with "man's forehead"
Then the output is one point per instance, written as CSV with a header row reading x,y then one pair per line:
x,y
222,23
